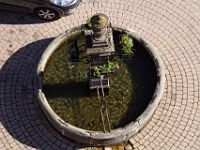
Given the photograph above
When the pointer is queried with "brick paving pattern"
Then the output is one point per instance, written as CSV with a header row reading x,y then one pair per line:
x,y
172,26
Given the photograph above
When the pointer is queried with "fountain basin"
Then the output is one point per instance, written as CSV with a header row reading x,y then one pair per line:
x,y
100,138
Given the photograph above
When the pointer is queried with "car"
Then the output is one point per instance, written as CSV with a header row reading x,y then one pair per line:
x,y
45,9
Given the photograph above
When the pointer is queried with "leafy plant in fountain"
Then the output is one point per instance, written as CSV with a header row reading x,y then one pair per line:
x,y
96,71
127,44
88,23
106,68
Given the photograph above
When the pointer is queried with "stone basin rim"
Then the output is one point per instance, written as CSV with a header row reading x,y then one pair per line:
x,y
99,138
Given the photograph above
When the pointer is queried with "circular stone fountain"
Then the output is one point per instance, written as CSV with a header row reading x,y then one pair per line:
x,y
72,108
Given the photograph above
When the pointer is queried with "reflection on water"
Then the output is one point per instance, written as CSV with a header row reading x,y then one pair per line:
x,y
67,90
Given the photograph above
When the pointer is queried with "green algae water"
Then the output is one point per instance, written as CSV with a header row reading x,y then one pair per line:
x,y
66,87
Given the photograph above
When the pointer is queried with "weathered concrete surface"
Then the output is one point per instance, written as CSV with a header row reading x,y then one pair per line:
x,y
173,28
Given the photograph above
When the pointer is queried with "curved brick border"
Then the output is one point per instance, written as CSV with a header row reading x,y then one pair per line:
x,y
96,138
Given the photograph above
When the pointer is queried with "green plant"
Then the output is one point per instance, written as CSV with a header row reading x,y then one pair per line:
x,y
88,23
106,68
96,71
109,67
127,44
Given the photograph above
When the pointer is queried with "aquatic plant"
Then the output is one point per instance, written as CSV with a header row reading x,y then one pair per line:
x,y
108,67
88,23
96,71
103,69
127,44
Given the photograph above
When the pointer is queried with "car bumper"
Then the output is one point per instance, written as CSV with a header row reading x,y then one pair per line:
x,y
70,9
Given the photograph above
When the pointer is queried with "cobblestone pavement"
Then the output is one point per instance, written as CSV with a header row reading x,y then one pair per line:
x,y
172,26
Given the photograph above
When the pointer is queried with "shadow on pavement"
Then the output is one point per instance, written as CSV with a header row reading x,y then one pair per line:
x,y
20,113
10,17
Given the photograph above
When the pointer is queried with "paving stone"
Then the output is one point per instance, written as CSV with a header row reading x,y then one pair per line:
x,y
171,26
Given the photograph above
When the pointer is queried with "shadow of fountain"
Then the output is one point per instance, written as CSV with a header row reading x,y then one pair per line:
x,y
20,113
144,80
59,90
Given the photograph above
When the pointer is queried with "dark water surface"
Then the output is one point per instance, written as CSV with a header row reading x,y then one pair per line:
x,y
67,89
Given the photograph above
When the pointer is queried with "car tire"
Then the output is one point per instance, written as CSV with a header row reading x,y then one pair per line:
x,y
47,14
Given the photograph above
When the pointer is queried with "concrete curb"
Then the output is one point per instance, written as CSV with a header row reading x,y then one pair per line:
x,y
97,138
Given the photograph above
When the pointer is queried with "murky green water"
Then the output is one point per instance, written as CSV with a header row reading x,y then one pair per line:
x,y
67,90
